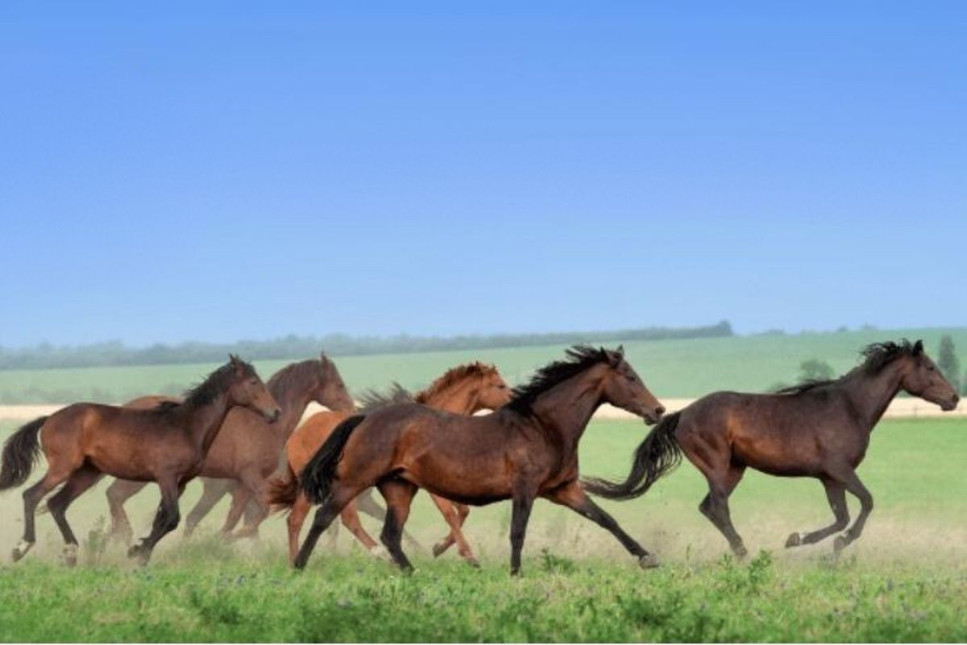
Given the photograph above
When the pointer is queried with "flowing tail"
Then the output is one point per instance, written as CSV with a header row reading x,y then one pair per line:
x,y
20,453
657,455
283,490
316,478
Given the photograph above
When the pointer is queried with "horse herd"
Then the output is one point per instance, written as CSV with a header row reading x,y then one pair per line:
x,y
240,436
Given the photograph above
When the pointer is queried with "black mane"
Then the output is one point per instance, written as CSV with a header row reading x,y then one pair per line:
x,y
371,400
214,385
579,358
876,356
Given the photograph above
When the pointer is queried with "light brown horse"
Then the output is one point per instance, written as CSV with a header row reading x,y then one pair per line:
x,y
245,454
525,450
818,429
167,444
461,390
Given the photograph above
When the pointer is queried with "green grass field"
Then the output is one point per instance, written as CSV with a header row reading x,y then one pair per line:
x,y
905,580
671,368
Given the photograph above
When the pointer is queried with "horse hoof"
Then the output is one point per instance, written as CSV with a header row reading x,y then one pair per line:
x,y
20,550
794,540
473,562
839,543
438,550
740,552
69,555
648,561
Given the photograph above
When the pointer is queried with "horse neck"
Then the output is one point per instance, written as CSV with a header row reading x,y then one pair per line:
x,y
871,395
566,409
293,401
204,422
460,398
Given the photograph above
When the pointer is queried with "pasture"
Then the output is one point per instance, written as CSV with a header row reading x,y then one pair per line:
x,y
905,579
671,368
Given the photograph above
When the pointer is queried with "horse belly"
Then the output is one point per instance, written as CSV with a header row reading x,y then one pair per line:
x,y
469,481
778,456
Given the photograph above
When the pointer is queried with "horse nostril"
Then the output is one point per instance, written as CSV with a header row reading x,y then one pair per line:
x,y
660,410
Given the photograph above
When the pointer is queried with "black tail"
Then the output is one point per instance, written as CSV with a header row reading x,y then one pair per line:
x,y
657,455
20,453
316,478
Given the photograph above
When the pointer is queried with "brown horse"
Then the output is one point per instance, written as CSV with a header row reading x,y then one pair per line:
x,y
246,453
818,429
461,390
167,444
525,450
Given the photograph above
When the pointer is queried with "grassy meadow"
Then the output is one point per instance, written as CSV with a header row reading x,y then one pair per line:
x,y
904,580
671,368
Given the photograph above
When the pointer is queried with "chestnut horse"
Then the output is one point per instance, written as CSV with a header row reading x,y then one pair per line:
x,y
167,444
526,449
246,453
817,429
461,390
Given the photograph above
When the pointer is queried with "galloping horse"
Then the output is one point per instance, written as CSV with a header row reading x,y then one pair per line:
x,y
167,444
245,454
461,390
526,449
817,429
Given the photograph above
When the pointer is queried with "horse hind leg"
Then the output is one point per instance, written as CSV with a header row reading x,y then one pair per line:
x,y
339,497
79,482
715,506
398,495
836,495
368,506
212,491
350,519
165,521
32,497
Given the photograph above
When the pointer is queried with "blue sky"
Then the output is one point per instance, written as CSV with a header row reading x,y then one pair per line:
x,y
246,170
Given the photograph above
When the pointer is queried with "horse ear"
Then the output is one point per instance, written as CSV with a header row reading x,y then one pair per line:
x,y
621,351
323,358
918,348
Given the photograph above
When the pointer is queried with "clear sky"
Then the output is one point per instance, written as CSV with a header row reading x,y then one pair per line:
x,y
225,170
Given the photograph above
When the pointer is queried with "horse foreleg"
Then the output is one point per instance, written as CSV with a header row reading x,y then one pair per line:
x,y
241,494
574,497
836,495
523,501
856,487
120,491
455,520
212,491
255,509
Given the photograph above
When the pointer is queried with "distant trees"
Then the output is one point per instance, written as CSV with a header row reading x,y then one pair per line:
x,y
947,361
815,370
291,347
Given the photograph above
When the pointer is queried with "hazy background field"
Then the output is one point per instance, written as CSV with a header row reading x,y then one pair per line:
x,y
671,368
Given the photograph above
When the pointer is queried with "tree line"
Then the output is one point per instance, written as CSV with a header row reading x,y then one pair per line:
x,y
46,356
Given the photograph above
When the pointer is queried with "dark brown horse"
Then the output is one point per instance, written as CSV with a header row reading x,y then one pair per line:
x,y
465,389
525,450
167,444
818,429
245,454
